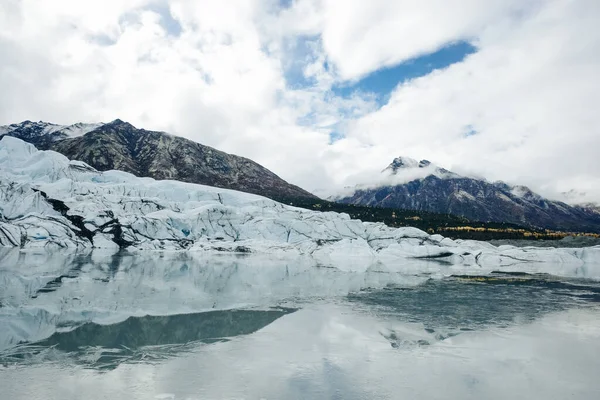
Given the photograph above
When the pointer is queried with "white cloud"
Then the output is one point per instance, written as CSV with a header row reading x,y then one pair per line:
x,y
361,36
529,92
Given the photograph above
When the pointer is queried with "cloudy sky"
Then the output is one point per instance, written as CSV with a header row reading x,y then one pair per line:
x,y
326,92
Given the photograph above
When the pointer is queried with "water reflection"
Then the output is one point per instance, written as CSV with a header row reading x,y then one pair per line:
x,y
474,302
189,326
42,293
147,338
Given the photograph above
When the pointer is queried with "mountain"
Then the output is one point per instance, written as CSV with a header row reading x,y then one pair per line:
x,y
43,134
120,145
412,185
401,165
591,208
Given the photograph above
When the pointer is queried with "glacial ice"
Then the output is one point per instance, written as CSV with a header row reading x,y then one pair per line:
x,y
49,202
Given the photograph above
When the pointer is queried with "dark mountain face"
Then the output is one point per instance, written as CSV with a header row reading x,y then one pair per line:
x,y
477,200
119,145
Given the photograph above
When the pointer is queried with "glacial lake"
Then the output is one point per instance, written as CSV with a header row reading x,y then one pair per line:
x,y
188,326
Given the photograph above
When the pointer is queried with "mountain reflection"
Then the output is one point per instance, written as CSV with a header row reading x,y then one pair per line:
x,y
147,338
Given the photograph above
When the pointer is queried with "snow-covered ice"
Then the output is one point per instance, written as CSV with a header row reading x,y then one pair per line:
x,y
49,202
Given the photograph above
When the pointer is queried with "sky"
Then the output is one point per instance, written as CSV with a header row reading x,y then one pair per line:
x,y
326,93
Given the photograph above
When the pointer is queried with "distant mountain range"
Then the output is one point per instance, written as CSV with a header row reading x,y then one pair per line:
x,y
119,145
420,185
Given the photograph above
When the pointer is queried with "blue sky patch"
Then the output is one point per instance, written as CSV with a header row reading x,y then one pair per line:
x,y
299,52
285,3
382,82
170,24
470,131
334,136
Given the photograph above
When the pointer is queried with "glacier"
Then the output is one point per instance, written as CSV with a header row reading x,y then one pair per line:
x,y
49,202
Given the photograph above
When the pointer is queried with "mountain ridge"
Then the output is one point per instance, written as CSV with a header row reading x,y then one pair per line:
x,y
159,155
441,191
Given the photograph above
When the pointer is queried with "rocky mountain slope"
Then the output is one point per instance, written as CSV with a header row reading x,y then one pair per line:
x,y
412,185
43,134
119,145
49,202
591,208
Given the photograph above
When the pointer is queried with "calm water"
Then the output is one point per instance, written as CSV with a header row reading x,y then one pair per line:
x,y
180,326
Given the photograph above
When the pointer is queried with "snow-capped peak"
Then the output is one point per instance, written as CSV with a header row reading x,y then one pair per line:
x,y
410,166
80,128
402,163
524,192
34,128
30,129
